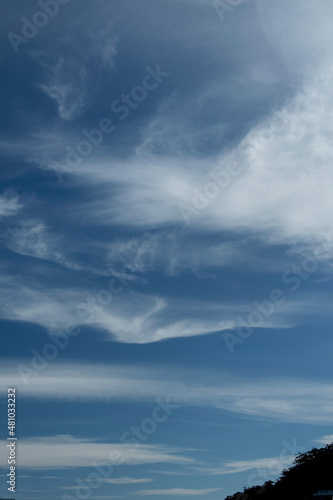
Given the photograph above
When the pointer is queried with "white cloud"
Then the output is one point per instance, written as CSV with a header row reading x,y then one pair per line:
x,y
68,451
273,464
71,78
129,480
127,316
323,440
32,237
172,252
67,85
281,400
51,309
175,251
10,204
300,32
285,167
276,194
176,491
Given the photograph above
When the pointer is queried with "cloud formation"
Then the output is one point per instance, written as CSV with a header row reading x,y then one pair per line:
x,y
284,167
323,440
129,480
279,399
64,451
10,204
276,464
128,316
177,491
67,85
71,76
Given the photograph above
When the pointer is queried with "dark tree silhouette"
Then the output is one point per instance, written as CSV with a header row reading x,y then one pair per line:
x,y
310,472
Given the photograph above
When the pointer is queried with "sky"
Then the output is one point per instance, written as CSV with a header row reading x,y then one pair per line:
x,y
166,244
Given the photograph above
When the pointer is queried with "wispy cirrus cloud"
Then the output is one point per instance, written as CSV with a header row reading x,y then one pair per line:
x,y
177,491
323,440
34,238
236,466
71,77
62,451
130,317
172,252
274,194
68,85
10,203
129,480
276,399
31,237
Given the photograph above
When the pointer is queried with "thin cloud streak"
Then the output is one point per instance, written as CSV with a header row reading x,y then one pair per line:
x,y
10,204
324,440
177,491
129,317
61,452
237,466
279,400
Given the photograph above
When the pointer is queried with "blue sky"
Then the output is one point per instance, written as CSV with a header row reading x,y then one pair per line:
x,y
166,243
